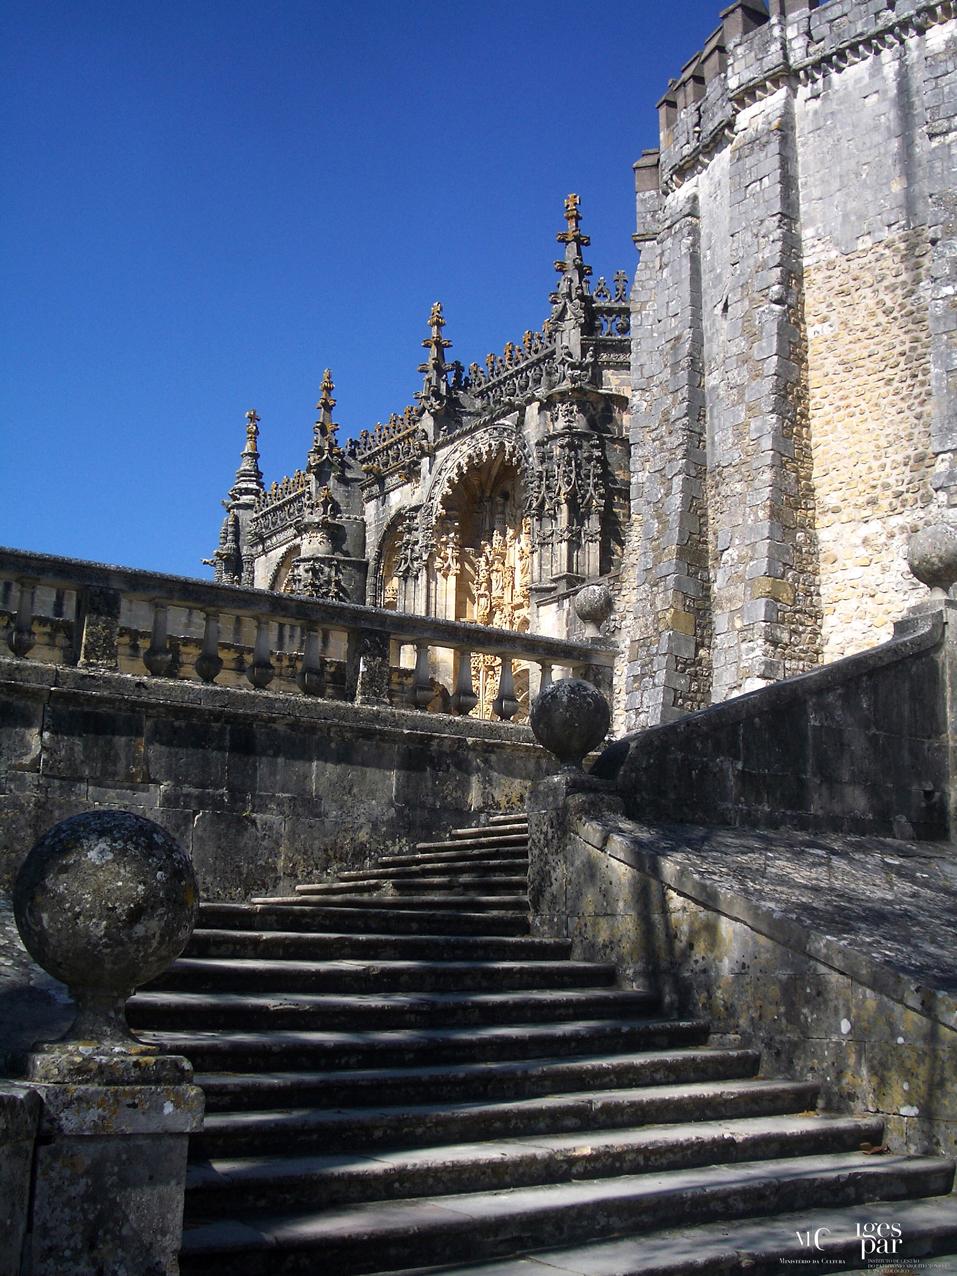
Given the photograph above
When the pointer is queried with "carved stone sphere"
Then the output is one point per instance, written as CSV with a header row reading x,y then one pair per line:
x,y
593,604
570,718
932,557
105,901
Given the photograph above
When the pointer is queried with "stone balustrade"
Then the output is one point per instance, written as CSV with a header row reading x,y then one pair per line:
x,y
67,611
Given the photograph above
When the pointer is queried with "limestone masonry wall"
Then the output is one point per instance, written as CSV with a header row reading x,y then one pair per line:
x,y
263,791
814,951
794,344
863,746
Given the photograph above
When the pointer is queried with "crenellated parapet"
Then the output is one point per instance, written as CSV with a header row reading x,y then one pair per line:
x,y
761,46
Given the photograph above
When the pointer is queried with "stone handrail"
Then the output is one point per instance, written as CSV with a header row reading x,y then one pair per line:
x,y
112,604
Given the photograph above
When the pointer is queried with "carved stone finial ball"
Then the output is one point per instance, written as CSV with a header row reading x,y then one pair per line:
x,y
593,604
570,718
932,557
105,901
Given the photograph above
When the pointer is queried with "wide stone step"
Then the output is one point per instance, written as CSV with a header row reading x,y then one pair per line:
x,y
492,841
451,884
262,1183
479,866
421,1125
248,975
269,1051
375,1237
506,817
755,1246
302,914
501,855
460,1082
304,946
395,1010
517,903
516,827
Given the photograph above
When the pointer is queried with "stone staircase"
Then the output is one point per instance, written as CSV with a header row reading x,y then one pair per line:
x,y
400,1078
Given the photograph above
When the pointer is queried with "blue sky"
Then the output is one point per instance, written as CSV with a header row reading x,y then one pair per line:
x,y
207,203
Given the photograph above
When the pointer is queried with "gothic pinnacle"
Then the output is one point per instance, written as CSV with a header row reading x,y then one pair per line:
x,y
435,387
326,401
249,479
574,241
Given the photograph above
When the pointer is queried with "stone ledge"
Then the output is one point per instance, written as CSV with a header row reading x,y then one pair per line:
x,y
128,691
724,870
920,633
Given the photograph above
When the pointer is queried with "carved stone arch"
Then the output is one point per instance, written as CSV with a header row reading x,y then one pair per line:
x,y
280,572
380,561
470,452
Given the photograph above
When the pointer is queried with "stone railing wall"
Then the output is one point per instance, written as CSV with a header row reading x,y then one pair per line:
x,y
67,612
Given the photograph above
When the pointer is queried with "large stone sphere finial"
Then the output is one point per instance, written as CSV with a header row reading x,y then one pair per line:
x,y
570,718
104,902
593,605
932,557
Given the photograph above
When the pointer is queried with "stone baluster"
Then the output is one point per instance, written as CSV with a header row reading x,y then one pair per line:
x,y
158,658
209,662
546,678
464,698
505,705
309,677
99,610
21,638
369,657
262,671
422,689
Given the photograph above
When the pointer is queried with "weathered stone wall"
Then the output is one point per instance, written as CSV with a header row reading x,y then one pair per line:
x,y
862,746
263,790
795,389
813,951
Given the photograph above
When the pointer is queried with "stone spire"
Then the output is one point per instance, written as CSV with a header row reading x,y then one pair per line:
x,y
324,444
572,267
249,479
435,386
570,300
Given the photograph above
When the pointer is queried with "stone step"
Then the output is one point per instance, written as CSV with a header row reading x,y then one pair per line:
x,y
445,884
376,1237
517,1079
244,1051
500,855
422,1125
206,974
390,1010
304,946
494,841
303,915
260,1183
754,1246
492,830
428,903
485,866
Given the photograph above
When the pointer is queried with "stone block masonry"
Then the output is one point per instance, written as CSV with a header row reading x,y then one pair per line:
x,y
862,746
813,949
793,394
262,789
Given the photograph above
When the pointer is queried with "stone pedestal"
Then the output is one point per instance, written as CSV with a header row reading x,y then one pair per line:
x,y
110,1175
19,1118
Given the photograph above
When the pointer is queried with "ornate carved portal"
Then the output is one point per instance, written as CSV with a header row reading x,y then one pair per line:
x,y
473,563
481,564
